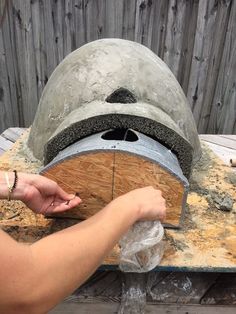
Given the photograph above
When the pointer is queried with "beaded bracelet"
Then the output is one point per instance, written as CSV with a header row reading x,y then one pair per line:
x,y
13,186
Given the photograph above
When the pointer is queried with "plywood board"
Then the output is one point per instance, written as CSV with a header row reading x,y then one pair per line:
x,y
90,175
132,172
206,242
100,177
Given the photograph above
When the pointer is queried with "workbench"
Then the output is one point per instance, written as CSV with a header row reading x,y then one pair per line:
x,y
205,243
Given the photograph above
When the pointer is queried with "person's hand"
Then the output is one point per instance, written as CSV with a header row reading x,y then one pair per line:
x,y
147,202
43,195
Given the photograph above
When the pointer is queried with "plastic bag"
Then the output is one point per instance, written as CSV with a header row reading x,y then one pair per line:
x,y
134,293
142,247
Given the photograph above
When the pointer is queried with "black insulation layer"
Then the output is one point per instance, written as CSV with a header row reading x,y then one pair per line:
x,y
81,129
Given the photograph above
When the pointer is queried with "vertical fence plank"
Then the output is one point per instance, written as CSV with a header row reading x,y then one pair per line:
x,y
100,7
25,59
58,15
18,24
218,40
10,63
234,129
129,13
174,34
39,52
190,24
144,22
113,17
6,112
201,55
119,9
49,36
92,11
2,9
69,23
80,33
31,93
160,13
19,103
110,18
223,111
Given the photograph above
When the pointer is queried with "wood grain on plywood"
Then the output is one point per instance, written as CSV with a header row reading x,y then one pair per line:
x,y
90,175
132,172
100,177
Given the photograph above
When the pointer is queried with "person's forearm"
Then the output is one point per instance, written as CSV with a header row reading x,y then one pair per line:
x,y
34,278
64,260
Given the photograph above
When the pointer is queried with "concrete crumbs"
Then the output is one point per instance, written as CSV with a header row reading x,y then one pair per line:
x,y
211,179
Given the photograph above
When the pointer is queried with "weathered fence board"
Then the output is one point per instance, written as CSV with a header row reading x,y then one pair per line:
x,y
215,57
196,38
6,106
222,115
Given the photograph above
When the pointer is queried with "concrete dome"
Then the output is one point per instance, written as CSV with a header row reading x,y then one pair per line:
x,y
113,83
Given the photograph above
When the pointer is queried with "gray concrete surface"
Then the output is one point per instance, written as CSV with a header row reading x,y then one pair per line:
x,y
73,104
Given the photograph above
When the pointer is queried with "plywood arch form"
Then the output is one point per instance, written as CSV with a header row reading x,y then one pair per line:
x,y
101,176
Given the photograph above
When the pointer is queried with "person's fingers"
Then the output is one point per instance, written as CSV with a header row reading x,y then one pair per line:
x,y
63,195
58,209
75,201
59,206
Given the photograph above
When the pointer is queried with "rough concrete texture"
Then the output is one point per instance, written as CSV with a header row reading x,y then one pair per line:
x,y
221,201
74,100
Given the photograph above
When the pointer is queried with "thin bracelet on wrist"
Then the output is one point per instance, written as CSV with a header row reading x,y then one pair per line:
x,y
15,180
13,186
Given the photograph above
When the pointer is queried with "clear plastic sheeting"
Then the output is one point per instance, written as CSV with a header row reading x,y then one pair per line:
x,y
133,300
142,247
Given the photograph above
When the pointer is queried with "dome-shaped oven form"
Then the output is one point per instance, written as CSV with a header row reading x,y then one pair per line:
x,y
108,84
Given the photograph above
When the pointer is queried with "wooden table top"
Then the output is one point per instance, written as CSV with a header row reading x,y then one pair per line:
x,y
206,241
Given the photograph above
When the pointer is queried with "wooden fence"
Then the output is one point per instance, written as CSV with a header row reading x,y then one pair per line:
x,y
196,38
